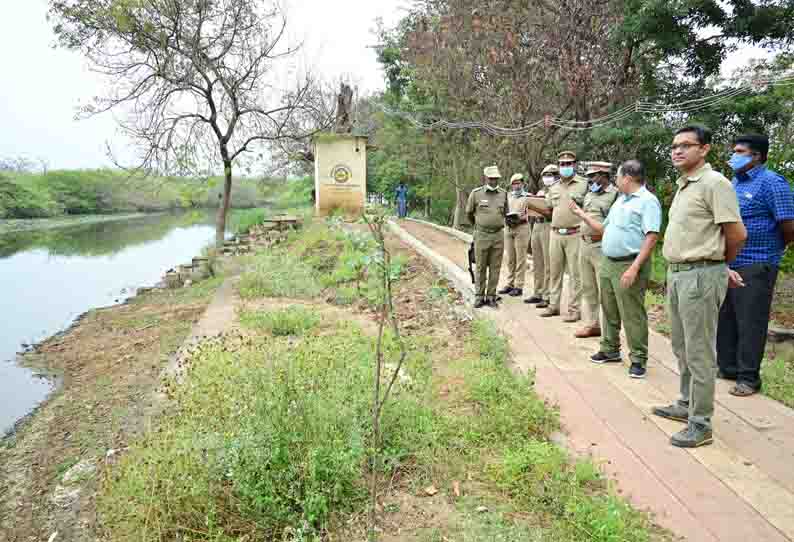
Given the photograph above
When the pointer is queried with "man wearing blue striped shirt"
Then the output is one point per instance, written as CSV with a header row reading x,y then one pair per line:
x,y
631,231
766,204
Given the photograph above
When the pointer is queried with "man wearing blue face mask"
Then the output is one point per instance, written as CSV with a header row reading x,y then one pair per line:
x,y
565,236
766,204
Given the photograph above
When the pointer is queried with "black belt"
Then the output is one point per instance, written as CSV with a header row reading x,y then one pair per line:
x,y
521,223
629,258
689,266
483,229
539,220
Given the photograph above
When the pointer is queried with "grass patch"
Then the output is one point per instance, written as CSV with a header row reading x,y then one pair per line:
x,y
279,274
295,320
264,450
778,380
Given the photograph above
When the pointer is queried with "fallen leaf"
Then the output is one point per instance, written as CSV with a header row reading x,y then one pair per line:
x,y
482,509
431,490
456,488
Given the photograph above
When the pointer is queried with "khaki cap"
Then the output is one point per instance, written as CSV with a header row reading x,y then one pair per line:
x,y
517,177
599,167
567,155
551,168
492,172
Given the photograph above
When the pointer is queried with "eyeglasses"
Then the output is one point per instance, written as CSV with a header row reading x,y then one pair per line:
x,y
684,146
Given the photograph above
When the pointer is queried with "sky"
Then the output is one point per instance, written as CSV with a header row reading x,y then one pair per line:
x,y
41,87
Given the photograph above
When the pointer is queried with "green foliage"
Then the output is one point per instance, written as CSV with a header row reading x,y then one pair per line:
x,y
242,222
103,191
294,320
279,274
263,449
778,377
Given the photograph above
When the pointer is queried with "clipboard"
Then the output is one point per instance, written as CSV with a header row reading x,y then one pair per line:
x,y
537,201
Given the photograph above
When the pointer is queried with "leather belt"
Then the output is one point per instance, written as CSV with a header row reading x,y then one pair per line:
x,y
689,266
593,238
485,229
566,231
629,258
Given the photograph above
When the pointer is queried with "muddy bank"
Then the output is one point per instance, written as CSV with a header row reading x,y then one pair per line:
x,y
34,224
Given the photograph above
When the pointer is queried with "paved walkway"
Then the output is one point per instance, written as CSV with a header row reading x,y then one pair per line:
x,y
739,489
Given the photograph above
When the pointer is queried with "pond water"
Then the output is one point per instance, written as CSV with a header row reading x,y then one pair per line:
x,y
48,278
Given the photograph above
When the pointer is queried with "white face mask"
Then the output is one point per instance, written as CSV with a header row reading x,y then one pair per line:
x,y
548,181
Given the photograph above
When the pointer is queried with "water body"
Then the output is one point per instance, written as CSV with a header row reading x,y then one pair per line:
x,y
49,278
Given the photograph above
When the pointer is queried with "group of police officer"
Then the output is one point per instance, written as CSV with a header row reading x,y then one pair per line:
x,y
544,223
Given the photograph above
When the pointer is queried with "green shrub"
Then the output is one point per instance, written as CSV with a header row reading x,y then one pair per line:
x,y
242,222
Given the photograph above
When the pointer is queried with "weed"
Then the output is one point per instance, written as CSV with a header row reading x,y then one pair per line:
x,y
279,274
262,449
294,320
778,378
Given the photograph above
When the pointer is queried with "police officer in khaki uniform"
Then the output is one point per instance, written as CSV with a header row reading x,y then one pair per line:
x,y
541,235
597,202
705,231
516,236
565,236
486,209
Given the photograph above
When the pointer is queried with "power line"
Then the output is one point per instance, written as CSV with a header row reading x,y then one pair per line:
x,y
642,106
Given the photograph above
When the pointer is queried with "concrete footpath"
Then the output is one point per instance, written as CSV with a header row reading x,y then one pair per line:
x,y
741,488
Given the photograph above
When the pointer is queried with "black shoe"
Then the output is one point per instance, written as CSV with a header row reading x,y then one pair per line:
x,y
542,305
492,302
606,357
479,303
676,411
516,292
693,436
505,290
533,300
636,371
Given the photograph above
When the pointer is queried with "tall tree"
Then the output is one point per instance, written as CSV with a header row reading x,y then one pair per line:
x,y
196,80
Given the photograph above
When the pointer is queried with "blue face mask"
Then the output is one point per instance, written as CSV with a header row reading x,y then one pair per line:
x,y
595,187
739,161
566,171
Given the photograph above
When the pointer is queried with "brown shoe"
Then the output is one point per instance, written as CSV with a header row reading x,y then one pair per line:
x,y
548,313
572,317
588,331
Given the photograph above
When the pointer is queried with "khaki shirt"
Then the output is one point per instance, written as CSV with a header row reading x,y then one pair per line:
x,y
518,204
559,197
597,205
704,201
486,209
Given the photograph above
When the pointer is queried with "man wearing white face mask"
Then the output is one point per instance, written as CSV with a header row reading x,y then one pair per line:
x,y
541,235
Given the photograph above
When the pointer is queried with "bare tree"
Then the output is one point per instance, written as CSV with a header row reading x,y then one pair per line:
x,y
197,80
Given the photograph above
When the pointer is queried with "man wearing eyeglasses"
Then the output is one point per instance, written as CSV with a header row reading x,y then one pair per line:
x,y
705,231
767,207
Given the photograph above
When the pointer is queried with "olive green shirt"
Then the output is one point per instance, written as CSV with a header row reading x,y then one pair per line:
x,y
486,209
597,205
704,201
559,197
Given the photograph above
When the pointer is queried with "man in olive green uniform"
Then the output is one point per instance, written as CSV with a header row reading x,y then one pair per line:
x,y
565,237
597,202
541,236
705,231
486,209
516,237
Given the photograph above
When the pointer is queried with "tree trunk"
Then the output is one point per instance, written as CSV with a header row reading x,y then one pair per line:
x,y
458,209
223,208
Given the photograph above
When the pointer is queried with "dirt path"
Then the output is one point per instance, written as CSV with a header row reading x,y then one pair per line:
x,y
740,488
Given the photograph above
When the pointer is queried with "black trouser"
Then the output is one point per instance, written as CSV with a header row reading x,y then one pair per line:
x,y
743,324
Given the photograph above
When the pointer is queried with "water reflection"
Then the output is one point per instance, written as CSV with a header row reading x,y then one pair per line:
x,y
48,278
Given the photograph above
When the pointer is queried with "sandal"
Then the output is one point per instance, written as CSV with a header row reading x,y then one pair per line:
x,y
742,390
